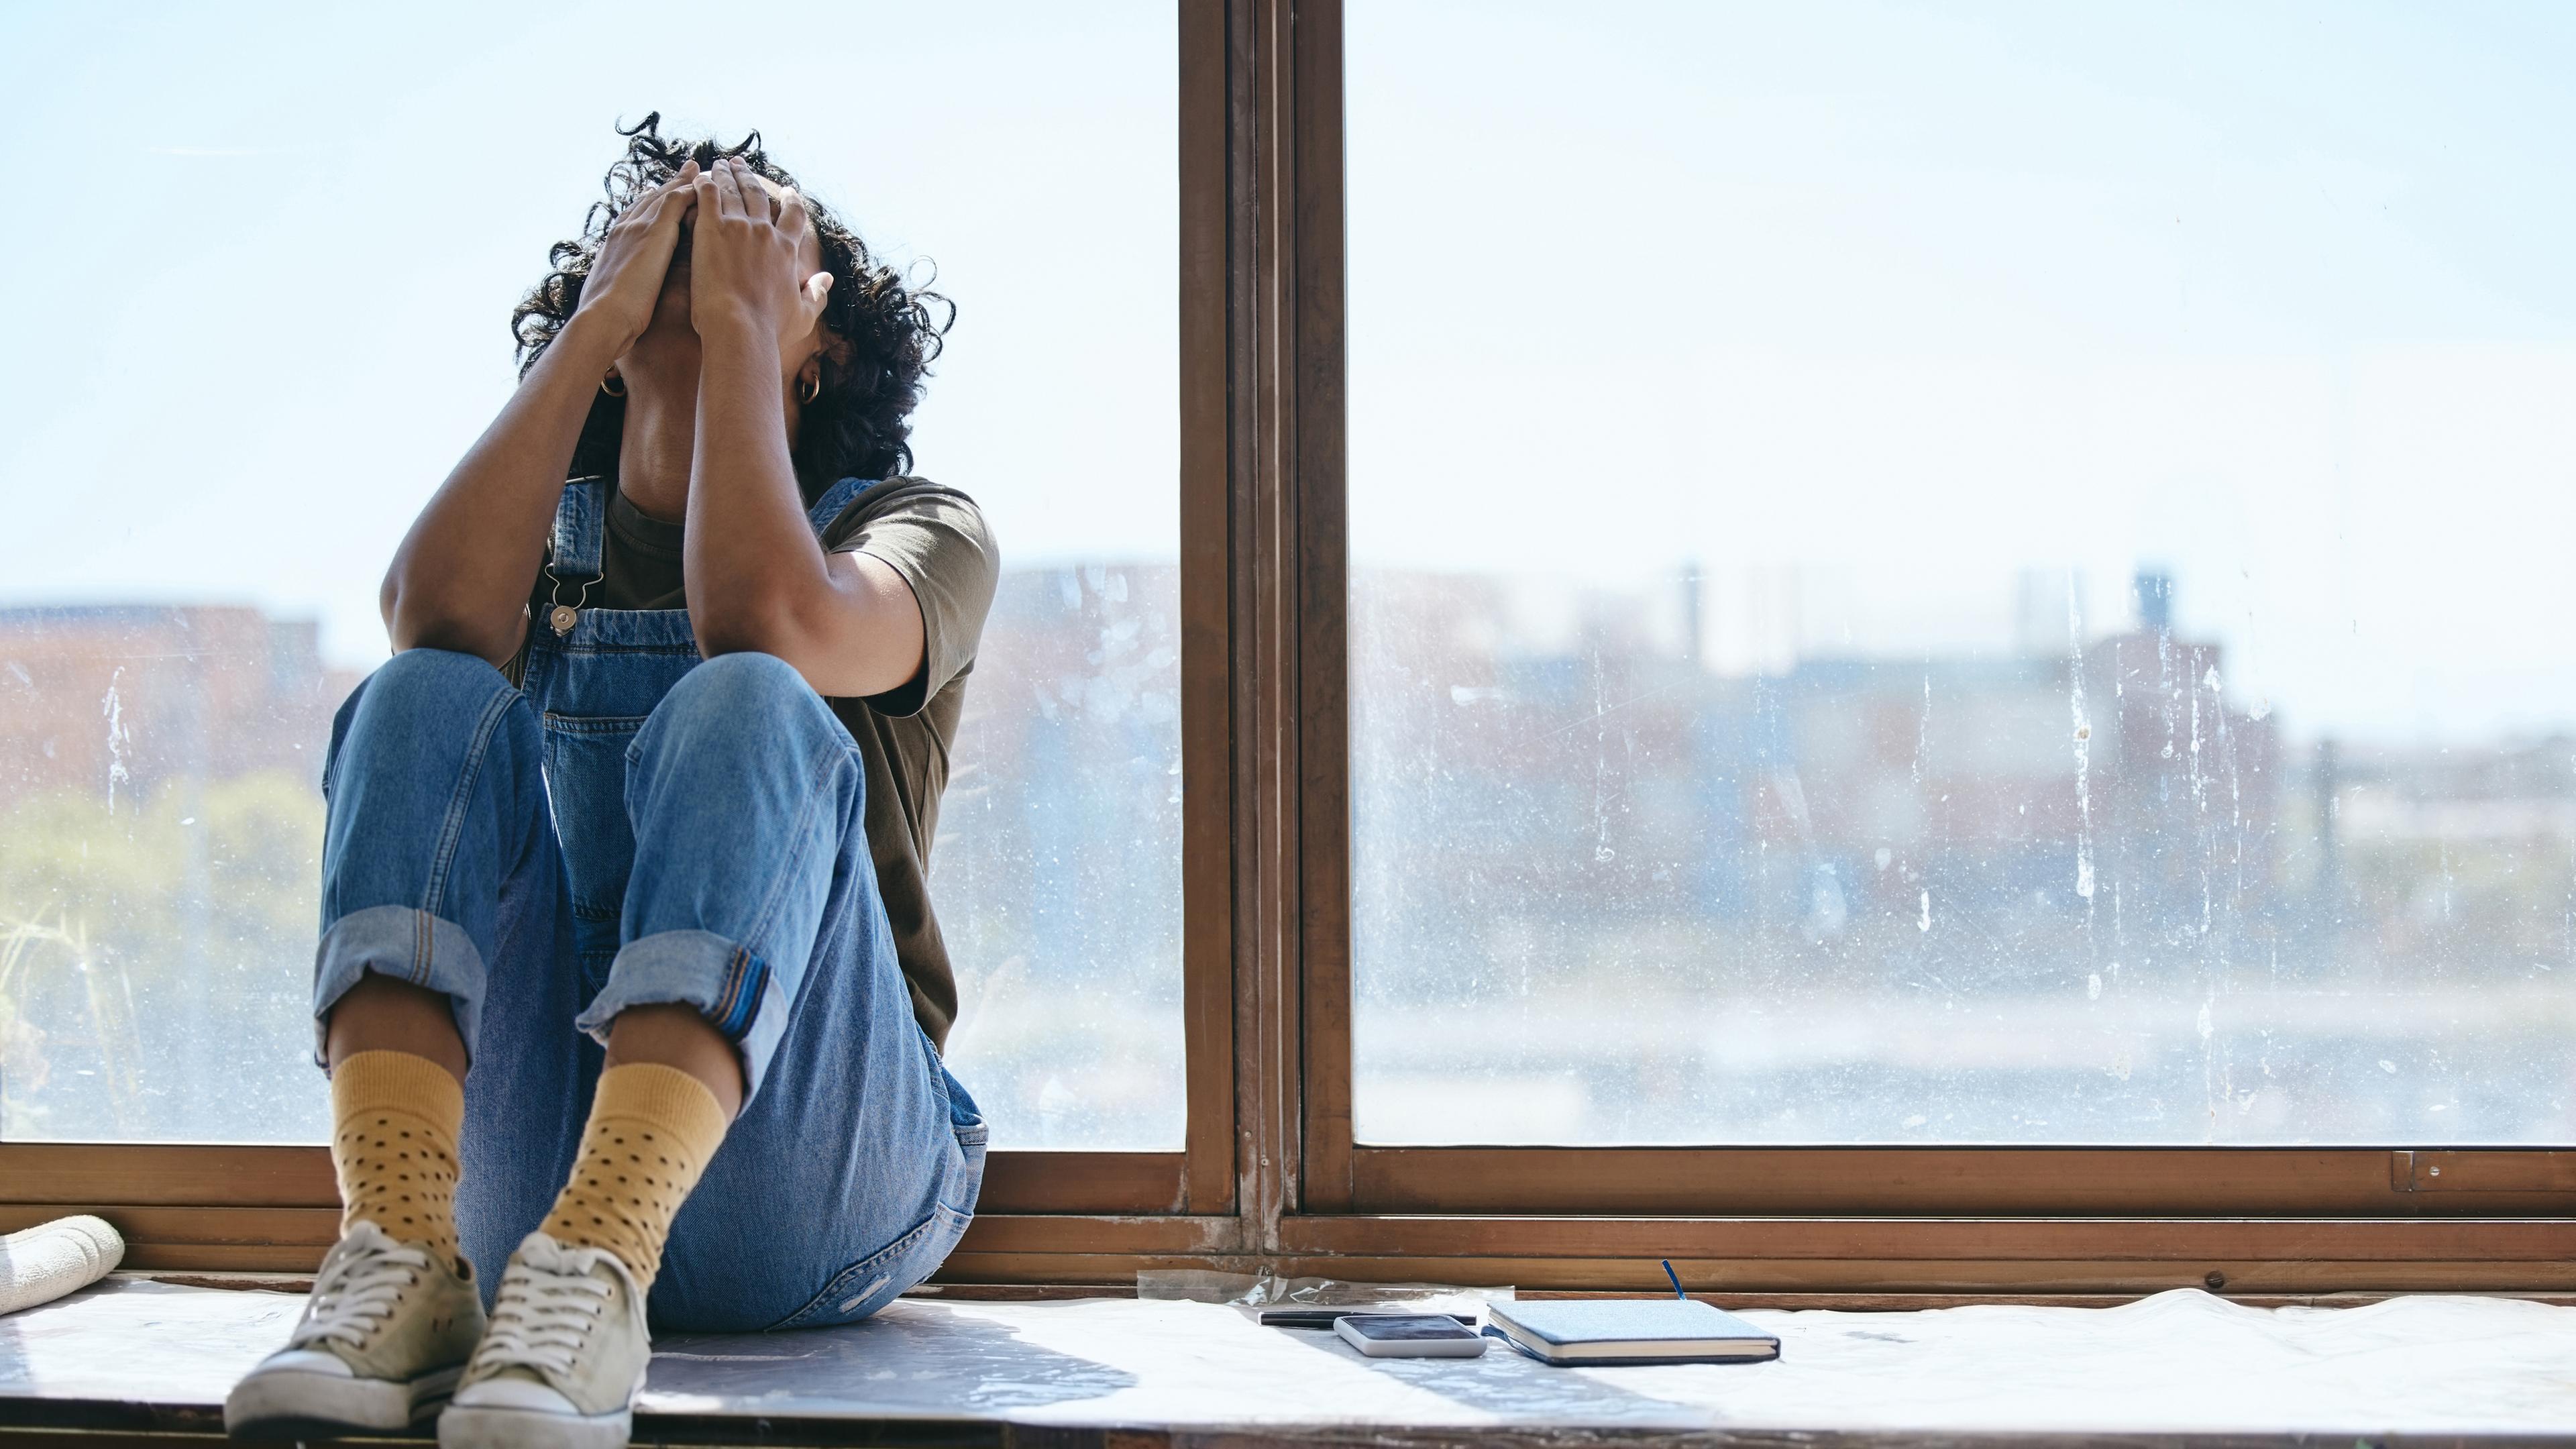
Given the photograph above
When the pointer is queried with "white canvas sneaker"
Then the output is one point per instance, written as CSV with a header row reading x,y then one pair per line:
x,y
382,1341
563,1359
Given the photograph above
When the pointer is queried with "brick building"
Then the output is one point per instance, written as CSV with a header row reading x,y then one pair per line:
x,y
119,697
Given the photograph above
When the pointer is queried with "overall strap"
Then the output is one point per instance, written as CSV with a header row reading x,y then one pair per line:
x,y
836,498
579,521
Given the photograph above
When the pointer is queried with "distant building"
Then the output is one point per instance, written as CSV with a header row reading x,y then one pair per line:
x,y
119,697
1606,779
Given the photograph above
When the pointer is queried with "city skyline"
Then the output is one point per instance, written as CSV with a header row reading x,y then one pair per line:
x,y
2145,914
1750,621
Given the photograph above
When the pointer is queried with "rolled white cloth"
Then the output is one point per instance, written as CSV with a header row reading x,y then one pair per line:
x,y
42,1263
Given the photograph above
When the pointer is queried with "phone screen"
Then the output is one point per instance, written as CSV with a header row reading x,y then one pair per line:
x,y
1393,1327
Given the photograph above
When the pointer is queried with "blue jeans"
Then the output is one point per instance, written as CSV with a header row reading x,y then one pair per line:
x,y
636,826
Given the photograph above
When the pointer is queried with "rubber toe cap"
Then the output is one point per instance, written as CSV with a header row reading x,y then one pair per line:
x,y
514,1392
306,1361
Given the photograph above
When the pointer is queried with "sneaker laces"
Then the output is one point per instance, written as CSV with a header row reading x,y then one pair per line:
x,y
360,1284
548,1303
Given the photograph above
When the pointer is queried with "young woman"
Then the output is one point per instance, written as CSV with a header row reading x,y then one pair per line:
x,y
628,970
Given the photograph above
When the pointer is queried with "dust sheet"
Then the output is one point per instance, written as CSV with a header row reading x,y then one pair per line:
x,y
2179,1361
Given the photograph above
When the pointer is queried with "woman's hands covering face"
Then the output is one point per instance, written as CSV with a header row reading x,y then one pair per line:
x,y
746,262
626,277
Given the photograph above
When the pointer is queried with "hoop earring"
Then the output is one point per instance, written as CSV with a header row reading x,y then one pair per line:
x,y
617,391
810,389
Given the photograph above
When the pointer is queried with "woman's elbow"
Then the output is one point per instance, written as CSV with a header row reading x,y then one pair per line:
x,y
744,620
739,631
413,622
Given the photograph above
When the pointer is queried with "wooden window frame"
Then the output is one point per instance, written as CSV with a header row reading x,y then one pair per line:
x,y
1270,1174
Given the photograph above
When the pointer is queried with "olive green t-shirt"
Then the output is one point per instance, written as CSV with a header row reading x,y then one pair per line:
x,y
936,539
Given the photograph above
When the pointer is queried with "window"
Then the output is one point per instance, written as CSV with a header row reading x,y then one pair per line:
x,y
1978,575
1602,486
296,323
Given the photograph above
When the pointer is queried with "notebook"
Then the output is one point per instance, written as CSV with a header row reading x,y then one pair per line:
x,y
1629,1330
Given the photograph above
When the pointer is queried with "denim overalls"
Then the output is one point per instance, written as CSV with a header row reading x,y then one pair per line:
x,y
629,826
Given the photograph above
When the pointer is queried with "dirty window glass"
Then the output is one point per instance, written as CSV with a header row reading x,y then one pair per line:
x,y
1970,573
272,317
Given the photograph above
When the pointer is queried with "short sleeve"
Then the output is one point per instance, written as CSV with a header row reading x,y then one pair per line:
x,y
936,538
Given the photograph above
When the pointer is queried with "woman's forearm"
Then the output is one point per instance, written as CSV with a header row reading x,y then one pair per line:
x,y
749,555
462,576
758,580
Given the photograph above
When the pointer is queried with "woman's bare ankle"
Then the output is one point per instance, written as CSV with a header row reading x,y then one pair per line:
x,y
382,1014
678,1035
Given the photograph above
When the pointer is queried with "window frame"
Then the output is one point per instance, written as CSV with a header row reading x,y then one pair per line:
x,y
1270,1173
1850,1222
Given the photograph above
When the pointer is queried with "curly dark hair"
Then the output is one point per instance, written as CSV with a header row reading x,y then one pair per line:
x,y
883,331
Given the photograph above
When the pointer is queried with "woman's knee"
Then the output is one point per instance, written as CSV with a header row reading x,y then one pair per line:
x,y
745,735
416,698
427,677
735,696
745,678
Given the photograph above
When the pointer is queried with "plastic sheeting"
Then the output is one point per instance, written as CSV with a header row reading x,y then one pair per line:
x,y
2180,1361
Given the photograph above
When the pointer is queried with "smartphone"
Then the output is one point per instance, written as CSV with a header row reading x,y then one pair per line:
x,y
1321,1319
1409,1335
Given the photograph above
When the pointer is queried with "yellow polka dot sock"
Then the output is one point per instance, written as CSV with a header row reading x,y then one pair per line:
x,y
652,1129
394,1120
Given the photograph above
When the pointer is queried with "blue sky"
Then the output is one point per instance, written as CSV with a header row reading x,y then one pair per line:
x,y
1880,310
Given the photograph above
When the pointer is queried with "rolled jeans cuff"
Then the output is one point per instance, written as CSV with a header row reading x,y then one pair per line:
x,y
401,943
728,982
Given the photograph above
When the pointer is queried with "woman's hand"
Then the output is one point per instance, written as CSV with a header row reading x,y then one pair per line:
x,y
626,278
747,260
462,576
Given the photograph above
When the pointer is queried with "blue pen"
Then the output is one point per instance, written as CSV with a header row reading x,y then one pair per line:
x,y
1677,1281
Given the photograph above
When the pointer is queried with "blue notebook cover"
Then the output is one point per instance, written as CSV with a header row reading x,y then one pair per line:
x,y
1630,1330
